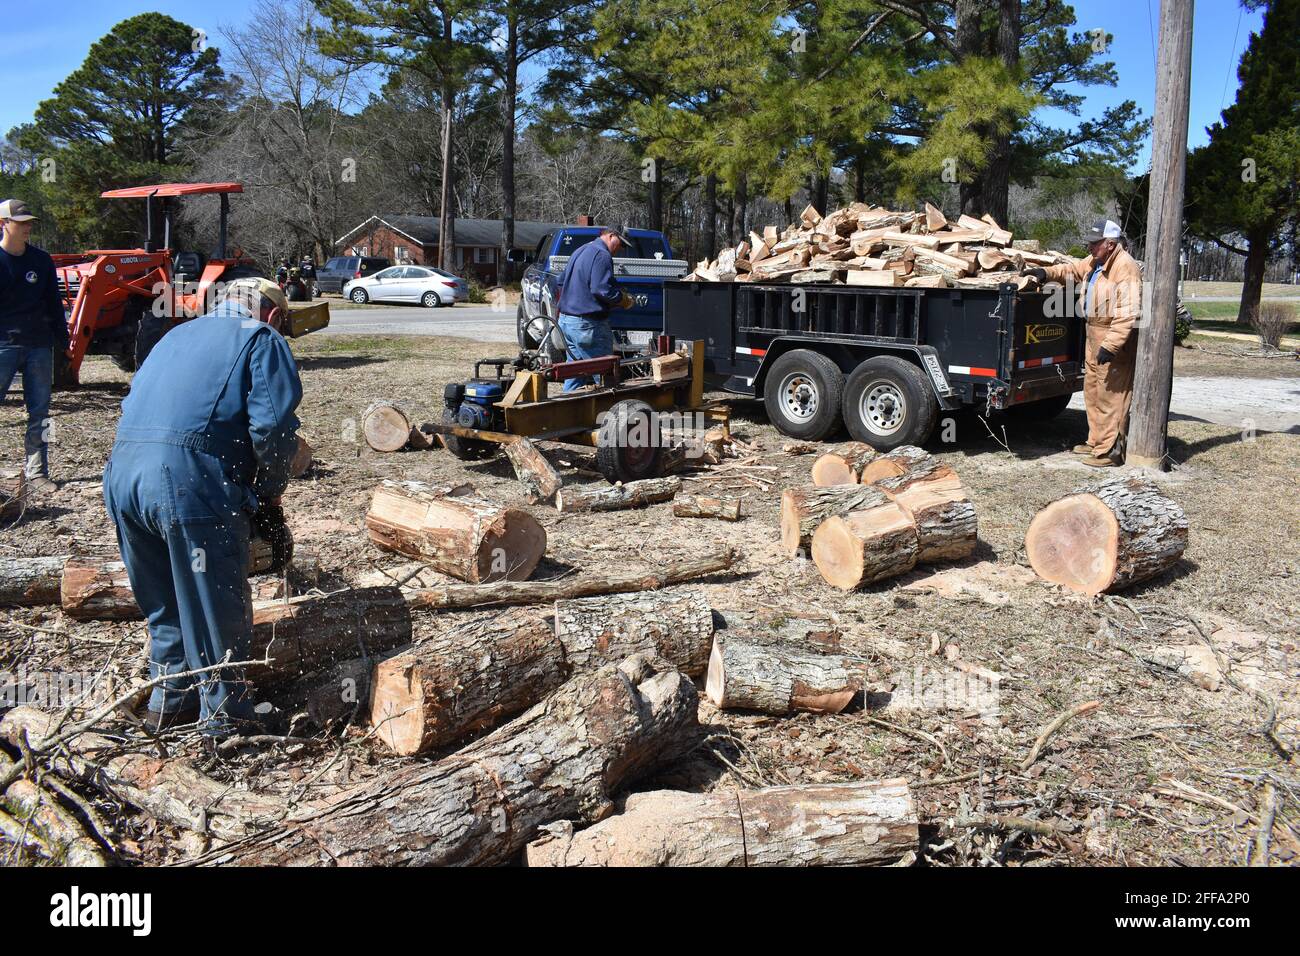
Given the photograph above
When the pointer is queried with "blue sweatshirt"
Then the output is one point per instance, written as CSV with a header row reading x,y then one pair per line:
x,y
587,287
31,309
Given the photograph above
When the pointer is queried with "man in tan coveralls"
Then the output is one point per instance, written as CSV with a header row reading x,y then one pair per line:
x,y
1109,286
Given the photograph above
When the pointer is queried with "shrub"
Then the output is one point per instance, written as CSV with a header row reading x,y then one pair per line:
x,y
1272,321
1182,324
477,294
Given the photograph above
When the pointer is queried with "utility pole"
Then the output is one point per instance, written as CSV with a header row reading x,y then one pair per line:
x,y
1149,418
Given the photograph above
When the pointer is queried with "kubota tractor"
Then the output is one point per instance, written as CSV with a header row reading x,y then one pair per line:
x,y
120,302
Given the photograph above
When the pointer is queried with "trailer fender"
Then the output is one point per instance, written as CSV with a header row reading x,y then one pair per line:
x,y
849,354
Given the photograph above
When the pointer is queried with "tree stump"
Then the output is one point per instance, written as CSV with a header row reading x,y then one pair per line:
x,y
865,546
778,679
1107,537
803,510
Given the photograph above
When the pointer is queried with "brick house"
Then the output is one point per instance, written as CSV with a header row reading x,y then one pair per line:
x,y
414,240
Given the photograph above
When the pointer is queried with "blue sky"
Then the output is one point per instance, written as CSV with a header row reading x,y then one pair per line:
x,y
42,51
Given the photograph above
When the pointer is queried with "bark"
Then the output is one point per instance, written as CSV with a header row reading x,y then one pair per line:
x,y
96,589
709,235
803,510
467,537
538,476
1253,285
900,461
866,823
946,526
777,679
338,694
616,497
27,581
1107,537
54,829
865,546
509,103
562,759
704,506
675,625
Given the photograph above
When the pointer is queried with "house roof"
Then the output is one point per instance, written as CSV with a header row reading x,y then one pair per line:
x,y
469,232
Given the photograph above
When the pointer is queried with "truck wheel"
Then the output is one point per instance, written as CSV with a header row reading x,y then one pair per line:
x,y
888,402
528,330
1043,410
628,447
803,394
466,449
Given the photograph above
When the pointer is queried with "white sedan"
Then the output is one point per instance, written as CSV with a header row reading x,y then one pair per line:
x,y
423,284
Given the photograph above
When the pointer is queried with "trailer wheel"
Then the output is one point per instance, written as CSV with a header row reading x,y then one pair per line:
x,y
1043,410
628,447
803,394
888,402
466,449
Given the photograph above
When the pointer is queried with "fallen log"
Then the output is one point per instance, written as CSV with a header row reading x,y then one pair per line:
x,y
865,546
97,589
615,497
675,625
465,536
30,581
778,679
168,789
1107,537
865,823
562,759
387,428
538,476
803,510
842,466
58,832
933,496
705,506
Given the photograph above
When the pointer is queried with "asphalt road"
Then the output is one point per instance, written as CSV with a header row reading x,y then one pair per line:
x,y
462,321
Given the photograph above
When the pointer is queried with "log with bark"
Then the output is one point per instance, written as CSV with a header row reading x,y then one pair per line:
x,y
803,509
13,494
458,534
97,589
899,461
562,759
933,496
706,506
42,822
676,625
865,546
634,494
843,466
1107,536
388,428
30,581
745,674
864,823
300,463
538,476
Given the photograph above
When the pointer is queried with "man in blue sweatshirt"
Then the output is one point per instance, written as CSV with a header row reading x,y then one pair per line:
x,y
203,446
32,326
587,294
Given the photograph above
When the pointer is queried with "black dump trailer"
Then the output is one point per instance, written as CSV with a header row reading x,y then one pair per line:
x,y
883,361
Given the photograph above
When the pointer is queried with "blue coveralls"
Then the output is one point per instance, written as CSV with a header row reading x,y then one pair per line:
x,y
587,293
207,432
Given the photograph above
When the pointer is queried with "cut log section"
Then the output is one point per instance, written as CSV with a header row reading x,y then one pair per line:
x,y
467,537
562,759
386,427
777,679
474,678
804,509
634,494
97,589
538,476
932,494
865,546
865,823
13,494
301,461
705,506
676,625
1107,537
842,466
29,581
666,368
900,461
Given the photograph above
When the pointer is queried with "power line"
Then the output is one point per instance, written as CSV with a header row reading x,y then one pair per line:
x,y
1232,59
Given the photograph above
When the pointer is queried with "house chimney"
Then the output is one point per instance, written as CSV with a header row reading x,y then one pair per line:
x,y
586,221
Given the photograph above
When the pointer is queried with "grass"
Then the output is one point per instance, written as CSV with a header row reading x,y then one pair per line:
x,y
1192,289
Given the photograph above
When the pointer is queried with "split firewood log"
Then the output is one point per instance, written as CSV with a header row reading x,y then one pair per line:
x,y
387,428
843,466
865,546
803,509
864,823
29,581
97,589
745,674
1107,536
538,476
561,759
933,496
300,463
615,497
458,534
705,506
675,624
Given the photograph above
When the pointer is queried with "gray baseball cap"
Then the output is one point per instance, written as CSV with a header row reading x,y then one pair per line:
x,y
17,210
622,236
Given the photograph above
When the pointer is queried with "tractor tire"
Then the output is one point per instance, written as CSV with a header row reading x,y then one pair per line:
x,y
466,449
150,331
802,393
628,447
889,402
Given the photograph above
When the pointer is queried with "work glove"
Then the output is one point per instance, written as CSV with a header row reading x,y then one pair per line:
x,y
625,302
268,526
1104,355
1037,272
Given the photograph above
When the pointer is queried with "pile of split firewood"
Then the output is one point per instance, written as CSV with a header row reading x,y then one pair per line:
x,y
873,246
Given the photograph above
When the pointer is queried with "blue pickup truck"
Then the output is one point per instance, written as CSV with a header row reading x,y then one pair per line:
x,y
642,270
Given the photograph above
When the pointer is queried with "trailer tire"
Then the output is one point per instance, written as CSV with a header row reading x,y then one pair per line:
x,y
466,449
617,458
1043,410
803,393
888,402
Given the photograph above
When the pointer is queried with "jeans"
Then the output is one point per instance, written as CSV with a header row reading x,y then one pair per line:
x,y
587,338
37,367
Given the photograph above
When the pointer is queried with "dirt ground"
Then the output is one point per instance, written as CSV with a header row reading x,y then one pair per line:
x,y
1165,771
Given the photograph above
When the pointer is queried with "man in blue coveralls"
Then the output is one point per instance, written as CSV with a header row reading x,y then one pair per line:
x,y
587,294
204,442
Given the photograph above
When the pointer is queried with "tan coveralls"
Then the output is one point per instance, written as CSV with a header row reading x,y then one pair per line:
x,y
1112,306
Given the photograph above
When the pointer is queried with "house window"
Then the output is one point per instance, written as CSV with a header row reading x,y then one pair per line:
x,y
460,255
484,255
399,254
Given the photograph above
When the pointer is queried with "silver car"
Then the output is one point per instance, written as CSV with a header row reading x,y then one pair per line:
x,y
426,285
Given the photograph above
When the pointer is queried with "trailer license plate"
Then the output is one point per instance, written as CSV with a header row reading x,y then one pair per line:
x,y
936,373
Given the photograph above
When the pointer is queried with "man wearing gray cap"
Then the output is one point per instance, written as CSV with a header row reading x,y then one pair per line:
x,y
587,293
32,326
1109,287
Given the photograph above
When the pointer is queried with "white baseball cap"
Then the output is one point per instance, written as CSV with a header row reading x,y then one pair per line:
x,y
1103,229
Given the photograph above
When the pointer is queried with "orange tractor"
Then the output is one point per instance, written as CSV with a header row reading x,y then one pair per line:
x,y
120,302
